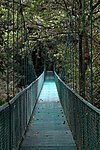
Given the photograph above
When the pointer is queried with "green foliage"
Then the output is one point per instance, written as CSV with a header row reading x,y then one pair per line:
x,y
31,76
2,102
47,23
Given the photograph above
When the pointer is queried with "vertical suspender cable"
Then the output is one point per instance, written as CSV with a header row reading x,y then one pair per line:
x,y
66,60
70,51
26,63
76,69
83,28
68,54
79,46
13,53
7,49
21,43
63,74
24,59
25,50
91,71
73,40
17,45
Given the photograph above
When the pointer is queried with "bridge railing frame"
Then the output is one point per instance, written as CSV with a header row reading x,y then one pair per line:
x,y
83,117
15,115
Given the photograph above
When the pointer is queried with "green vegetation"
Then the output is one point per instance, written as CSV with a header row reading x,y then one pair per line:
x,y
58,31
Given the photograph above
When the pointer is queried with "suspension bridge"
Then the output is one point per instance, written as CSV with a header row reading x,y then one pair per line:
x,y
35,118
51,110
48,128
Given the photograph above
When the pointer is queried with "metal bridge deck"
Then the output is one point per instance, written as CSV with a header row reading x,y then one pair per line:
x,y
48,128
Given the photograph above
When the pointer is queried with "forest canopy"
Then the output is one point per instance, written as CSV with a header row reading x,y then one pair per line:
x,y
58,32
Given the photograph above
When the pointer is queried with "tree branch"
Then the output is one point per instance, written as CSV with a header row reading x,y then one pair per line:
x,y
47,36
98,3
65,2
96,57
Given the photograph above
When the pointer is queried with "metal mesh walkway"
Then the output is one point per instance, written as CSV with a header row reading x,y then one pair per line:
x,y
48,128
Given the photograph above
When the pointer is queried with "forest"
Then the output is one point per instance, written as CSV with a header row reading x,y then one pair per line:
x,y
60,33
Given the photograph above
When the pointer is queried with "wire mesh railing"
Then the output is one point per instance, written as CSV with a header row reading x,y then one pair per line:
x,y
15,115
83,117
